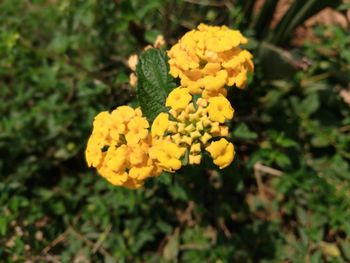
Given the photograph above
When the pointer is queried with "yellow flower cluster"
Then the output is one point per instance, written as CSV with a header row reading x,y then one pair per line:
x,y
188,128
209,58
126,150
119,147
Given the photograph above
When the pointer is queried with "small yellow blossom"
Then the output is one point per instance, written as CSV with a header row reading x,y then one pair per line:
x,y
132,62
137,130
133,184
160,124
195,134
178,98
93,153
172,127
224,131
196,147
222,152
140,173
176,138
205,138
116,158
194,159
125,113
133,80
159,42
113,178
168,155
187,140
137,156
220,109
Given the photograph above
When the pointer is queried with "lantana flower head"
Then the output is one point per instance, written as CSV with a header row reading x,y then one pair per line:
x,y
189,128
119,147
209,58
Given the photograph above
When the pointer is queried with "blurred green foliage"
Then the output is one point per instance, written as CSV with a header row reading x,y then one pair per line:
x,y
63,61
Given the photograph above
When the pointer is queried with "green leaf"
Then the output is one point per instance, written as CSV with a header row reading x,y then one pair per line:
x,y
282,160
345,247
302,216
310,104
3,226
242,131
154,82
171,249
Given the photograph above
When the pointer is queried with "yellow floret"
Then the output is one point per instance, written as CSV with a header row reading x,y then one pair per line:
x,y
186,139
138,129
220,109
115,158
205,138
168,155
160,124
172,127
141,173
195,147
93,153
222,152
194,159
136,155
125,113
178,99
195,134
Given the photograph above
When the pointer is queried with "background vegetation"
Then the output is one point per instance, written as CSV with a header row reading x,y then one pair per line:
x,y
286,198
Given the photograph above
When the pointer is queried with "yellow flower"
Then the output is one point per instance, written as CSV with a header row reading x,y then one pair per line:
x,y
126,160
220,109
137,130
168,155
159,42
133,80
224,131
176,138
132,62
222,152
132,183
178,98
209,58
172,127
136,155
93,153
205,138
141,173
115,178
126,113
115,158
207,94
214,82
160,124
194,159
117,125
195,147
102,124
187,140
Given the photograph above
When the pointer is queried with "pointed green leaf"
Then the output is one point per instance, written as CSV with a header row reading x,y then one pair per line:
x,y
243,132
154,82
